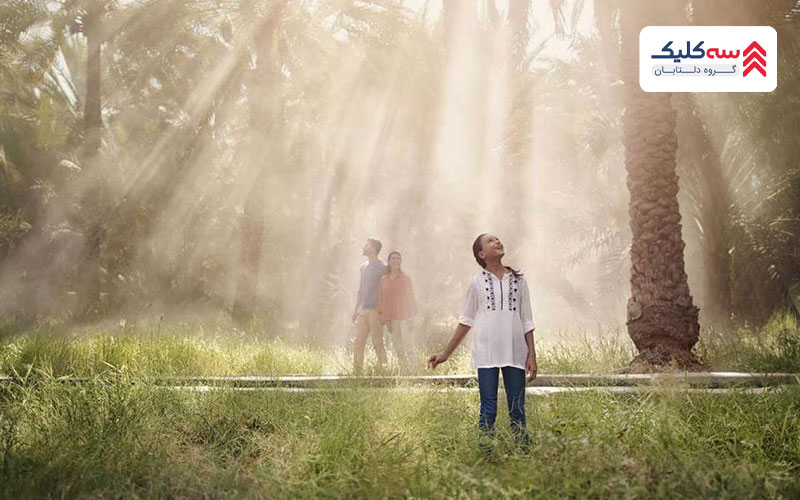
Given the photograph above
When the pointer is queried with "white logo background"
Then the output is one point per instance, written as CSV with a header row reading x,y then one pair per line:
x,y
705,74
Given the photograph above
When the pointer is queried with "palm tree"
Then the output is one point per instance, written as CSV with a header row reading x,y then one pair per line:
x,y
39,121
766,180
265,119
89,18
662,319
519,116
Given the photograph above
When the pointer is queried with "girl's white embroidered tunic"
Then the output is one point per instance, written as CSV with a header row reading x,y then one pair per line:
x,y
499,313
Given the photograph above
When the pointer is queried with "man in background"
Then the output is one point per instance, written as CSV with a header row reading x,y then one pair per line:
x,y
365,314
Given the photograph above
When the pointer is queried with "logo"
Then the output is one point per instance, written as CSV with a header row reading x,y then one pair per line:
x,y
754,59
708,59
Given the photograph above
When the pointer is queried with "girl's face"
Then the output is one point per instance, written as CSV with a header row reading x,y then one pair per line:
x,y
492,248
394,262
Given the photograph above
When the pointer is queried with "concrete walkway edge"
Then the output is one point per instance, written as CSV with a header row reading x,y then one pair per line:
x,y
680,379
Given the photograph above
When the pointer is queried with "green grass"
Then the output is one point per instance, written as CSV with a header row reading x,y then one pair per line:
x,y
118,435
109,438
177,353
169,355
773,348
185,349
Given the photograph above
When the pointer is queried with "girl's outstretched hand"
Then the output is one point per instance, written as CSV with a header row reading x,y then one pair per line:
x,y
531,367
436,360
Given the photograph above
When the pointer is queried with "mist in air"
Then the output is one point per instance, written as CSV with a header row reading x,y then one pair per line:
x,y
248,149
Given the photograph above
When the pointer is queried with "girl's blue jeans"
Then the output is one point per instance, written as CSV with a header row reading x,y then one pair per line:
x,y
514,382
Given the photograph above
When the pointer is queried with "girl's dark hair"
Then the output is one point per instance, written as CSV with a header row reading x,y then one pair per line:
x,y
477,246
393,252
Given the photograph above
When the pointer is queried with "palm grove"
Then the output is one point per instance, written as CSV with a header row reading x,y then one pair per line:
x,y
200,154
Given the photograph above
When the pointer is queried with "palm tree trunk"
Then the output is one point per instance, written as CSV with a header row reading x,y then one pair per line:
x,y
265,144
662,320
92,199
519,118
92,111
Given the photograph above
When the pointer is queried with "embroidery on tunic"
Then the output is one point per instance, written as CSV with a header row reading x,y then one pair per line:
x,y
512,293
489,288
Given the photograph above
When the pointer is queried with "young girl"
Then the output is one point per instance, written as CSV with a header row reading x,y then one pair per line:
x,y
497,307
397,304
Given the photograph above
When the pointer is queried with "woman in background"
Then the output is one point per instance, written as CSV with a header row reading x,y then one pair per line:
x,y
397,305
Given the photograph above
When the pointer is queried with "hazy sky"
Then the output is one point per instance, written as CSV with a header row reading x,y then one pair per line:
x,y
541,20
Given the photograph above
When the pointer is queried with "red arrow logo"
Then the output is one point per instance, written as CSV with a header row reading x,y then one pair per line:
x,y
753,59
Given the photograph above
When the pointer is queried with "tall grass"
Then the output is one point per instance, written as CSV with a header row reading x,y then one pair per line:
x,y
119,436
185,349
772,348
180,350
109,438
